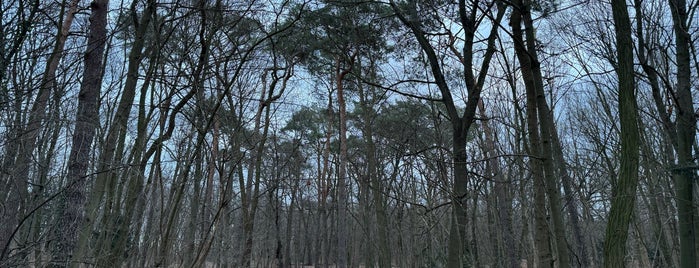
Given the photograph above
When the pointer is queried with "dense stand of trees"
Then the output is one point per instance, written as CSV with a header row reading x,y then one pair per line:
x,y
296,133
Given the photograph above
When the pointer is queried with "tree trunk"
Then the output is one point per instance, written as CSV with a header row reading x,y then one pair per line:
x,y
684,174
547,127
250,189
342,190
374,180
541,234
624,194
70,211
570,200
503,201
113,148
457,253
670,142
289,223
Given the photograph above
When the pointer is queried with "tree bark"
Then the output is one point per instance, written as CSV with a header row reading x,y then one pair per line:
x,y
541,226
70,212
527,54
342,191
684,174
624,194
113,148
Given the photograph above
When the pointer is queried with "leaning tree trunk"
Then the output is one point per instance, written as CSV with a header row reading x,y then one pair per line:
x,y
70,211
527,54
115,138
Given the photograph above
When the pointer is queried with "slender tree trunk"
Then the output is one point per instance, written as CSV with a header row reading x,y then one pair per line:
x,y
570,200
202,116
70,212
171,215
322,247
133,178
35,229
547,127
476,256
624,194
685,174
662,249
503,201
527,245
250,188
541,234
289,223
374,180
366,226
542,237
342,190
192,223
670,141
48,84
113,148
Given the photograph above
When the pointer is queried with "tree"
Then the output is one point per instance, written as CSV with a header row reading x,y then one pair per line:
x,y
684,174
70,213
624,192
347,133
679,134
28,140
342,34
458,255
369,97
541,142
104,188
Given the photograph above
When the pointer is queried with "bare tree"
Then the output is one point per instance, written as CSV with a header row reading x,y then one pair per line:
x,y
70,213
469,19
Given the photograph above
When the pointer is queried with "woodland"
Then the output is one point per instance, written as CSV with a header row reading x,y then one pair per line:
x,y
349,133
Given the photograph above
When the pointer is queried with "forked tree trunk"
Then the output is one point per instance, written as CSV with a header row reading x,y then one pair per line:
x,y
531,72
541,226
457,254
